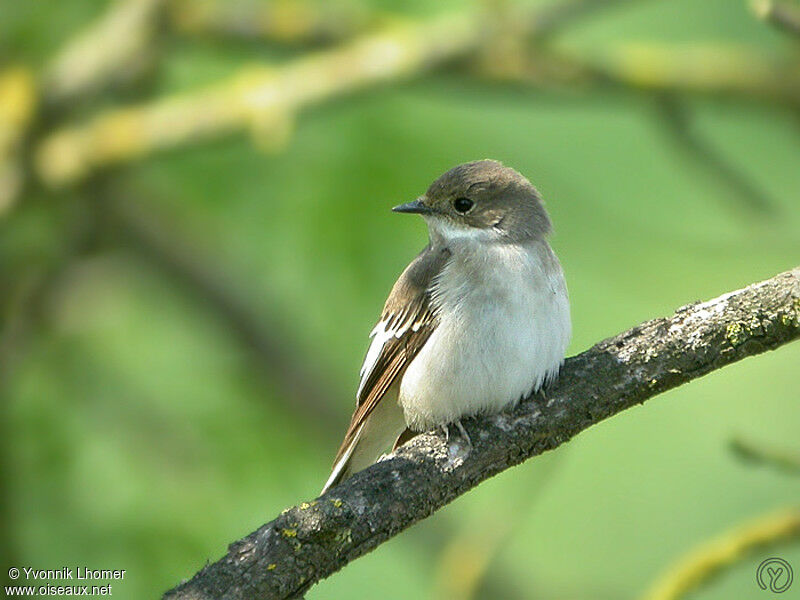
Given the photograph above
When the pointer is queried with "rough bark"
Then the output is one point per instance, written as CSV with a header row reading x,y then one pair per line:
x,y
310,541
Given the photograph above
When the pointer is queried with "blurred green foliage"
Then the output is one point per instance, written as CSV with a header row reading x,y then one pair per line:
x,y
140,434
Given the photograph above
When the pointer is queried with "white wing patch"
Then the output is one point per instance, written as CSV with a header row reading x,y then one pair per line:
x,y
380,335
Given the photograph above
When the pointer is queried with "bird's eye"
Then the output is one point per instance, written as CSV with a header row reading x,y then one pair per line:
x,y
462,205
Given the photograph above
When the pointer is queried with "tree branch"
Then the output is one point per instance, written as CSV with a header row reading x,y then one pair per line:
x,y
712,558
757,454
677,121
17,109
286,21
720,70
265,99
262,99
117,46
308,542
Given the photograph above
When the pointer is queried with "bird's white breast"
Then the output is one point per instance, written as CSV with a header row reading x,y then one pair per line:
x,y
503,330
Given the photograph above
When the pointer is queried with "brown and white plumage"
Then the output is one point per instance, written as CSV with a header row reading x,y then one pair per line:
x,y
406,323
477,321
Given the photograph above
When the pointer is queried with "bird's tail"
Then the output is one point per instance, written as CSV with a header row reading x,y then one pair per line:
x,y
342,467
373,437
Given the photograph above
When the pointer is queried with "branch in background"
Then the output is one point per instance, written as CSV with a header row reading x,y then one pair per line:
x,y
268,344
761,455
782,14
567,12
702,68
313,540
292,21
509,29
721,70
17,109
716,556
266,100
261,99
115,48
314,22
678,125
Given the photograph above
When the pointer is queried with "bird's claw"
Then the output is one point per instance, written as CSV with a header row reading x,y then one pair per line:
x,y
463,433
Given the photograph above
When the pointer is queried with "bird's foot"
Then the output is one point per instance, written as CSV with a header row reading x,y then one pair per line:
x,y
446,431
463,433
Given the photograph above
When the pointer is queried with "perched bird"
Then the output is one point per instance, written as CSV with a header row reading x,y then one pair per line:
x,y
478,321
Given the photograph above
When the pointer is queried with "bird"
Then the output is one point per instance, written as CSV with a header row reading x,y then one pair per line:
x,y
479,320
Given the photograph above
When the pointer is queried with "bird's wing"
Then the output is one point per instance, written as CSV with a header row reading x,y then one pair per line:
x,y
407,321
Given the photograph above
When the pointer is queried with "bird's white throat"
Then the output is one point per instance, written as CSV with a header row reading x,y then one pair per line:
x,y
448,231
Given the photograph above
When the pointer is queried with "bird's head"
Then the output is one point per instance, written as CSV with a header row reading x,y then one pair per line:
x,y
482,200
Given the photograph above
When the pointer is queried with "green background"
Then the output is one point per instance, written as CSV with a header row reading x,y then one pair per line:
x,y
141,434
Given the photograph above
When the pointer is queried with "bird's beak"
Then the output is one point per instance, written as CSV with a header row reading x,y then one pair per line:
x,y
415,207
